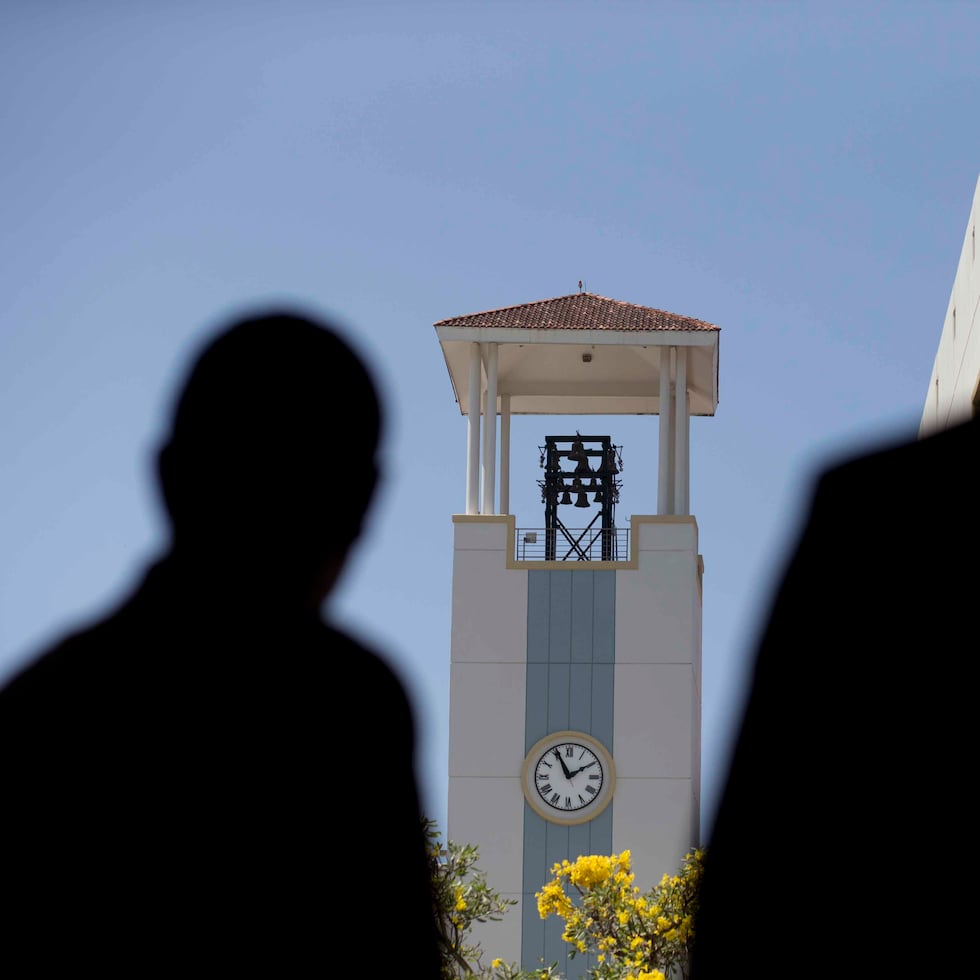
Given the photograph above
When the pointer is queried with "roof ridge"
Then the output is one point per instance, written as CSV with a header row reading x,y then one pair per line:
x,y
510,306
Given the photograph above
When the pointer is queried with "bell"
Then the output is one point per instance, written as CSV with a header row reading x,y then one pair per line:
x,y
577,451
566,498
583,468
583,500
591,485
598,498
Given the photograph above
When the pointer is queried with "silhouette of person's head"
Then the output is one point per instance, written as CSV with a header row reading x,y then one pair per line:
x,y
271,460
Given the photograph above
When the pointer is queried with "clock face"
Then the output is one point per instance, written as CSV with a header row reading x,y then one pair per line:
x,y
568,777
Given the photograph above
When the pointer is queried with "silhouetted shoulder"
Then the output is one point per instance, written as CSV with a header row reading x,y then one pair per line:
x,y
905,467
66,673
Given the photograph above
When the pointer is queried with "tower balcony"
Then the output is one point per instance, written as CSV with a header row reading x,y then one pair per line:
x,y
571,544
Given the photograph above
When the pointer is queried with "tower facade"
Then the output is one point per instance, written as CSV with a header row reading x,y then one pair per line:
x,y
575,676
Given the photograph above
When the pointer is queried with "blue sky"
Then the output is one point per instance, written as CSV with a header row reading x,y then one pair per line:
x,y
799,174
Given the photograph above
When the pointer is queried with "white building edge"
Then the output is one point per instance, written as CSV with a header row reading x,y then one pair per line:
x,y
954,386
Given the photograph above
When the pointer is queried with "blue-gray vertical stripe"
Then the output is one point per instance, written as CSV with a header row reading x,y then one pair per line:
x,y
571,642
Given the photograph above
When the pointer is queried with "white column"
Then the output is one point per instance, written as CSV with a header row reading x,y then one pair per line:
x,y
665,474
505,454
490,432
473,433
682,430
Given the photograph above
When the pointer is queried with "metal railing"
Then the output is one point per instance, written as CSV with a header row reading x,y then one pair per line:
x,y
571,544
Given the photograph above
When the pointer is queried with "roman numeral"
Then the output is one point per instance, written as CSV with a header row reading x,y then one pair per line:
x,y
569,751
556,797
590,790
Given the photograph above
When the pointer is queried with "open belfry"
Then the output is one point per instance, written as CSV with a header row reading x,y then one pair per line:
x,y
575,677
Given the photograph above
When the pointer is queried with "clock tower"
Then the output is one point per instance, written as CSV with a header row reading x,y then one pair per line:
x,y
575,675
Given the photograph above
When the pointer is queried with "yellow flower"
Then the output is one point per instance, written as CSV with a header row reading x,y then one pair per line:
x,y
551,899
592,870
495,963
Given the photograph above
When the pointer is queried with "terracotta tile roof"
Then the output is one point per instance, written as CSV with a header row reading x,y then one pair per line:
x,y
578,311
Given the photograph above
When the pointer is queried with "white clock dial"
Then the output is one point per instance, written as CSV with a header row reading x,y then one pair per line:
x,y
568,777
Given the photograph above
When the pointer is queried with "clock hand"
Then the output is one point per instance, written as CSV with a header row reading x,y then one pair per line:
x,y
580,768
564,768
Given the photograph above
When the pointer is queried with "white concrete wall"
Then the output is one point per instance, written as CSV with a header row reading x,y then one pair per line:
x,y
656,735
956,369
487,675
657,713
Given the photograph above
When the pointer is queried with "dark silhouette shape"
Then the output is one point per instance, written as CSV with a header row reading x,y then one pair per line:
x,y
212,777
835,848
